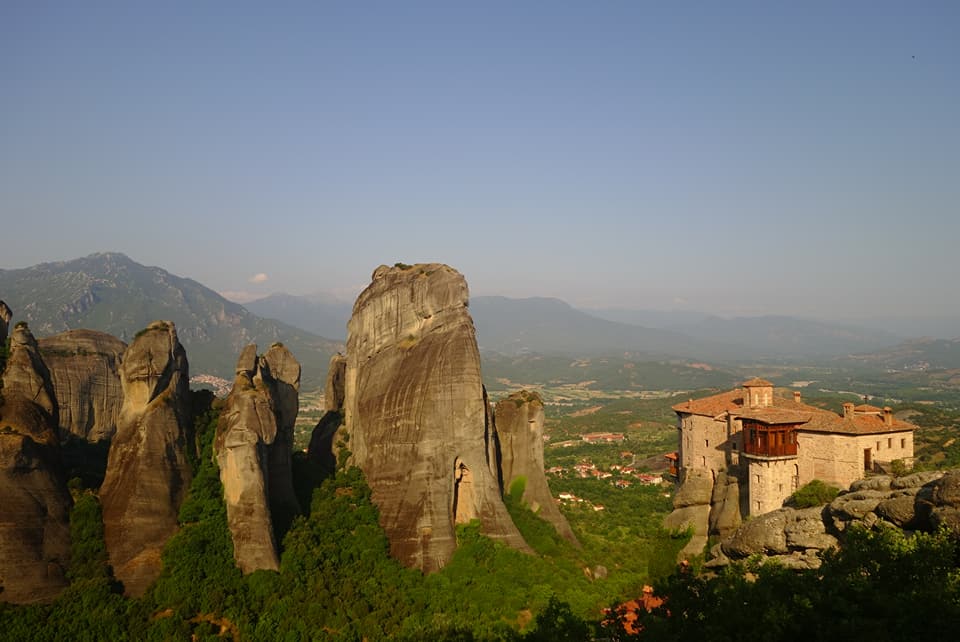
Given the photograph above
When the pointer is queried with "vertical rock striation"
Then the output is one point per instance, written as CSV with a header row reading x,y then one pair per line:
x,y
519,431
253,445
85,370
415,414
147,469
34,502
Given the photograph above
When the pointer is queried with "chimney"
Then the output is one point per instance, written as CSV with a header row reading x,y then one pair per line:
x,y
848,410
796,396
888,416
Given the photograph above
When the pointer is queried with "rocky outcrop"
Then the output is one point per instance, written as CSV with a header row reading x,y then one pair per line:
x,y
323,450
709,504
147,469
725,505
5,315
253,445
280,371
34,502
415,413
922,501
85,370
519,435
691,510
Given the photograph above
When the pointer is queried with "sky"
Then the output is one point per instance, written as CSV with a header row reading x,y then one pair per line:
x,y
735,158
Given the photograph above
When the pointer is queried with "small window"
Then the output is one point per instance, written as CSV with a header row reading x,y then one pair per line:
x,y
706,443
781,488
756,478
889,442
734,444
878,446
903,443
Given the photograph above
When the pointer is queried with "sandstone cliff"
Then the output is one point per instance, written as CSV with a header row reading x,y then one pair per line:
x,y
323,450
795,537
34,502
5,315
281,373
709,504
415,414
519,432
147,470
253,446
85,370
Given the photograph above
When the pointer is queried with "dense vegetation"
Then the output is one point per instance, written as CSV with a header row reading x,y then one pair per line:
x,y
337,580
882,585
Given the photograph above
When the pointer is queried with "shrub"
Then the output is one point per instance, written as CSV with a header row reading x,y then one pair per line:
x,y
815,493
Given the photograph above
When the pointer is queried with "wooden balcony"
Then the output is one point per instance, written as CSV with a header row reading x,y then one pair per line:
x,y
771,450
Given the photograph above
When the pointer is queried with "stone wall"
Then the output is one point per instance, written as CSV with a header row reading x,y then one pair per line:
x,y
770,482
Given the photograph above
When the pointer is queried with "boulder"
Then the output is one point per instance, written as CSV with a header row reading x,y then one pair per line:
x,y
693,517
696,489
34,502
415,414
147,470
763,535
518,421
85,371
900,509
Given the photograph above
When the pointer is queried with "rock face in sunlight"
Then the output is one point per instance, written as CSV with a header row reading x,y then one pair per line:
x,y
85,370
708,503
147,470
415,413
519,432
253,445
923,501
34,502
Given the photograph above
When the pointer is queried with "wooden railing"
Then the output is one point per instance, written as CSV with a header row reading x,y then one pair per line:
x,y
765,450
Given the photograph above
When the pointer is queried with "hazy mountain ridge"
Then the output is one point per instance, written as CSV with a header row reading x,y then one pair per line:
x,y
916,354
323,316
112,293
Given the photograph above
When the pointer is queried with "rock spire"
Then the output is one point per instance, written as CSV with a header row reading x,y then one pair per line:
x,y
519,430
253,444
34,502
415,415
147,470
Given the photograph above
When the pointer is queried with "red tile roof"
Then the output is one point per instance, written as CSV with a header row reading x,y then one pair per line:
x,y
865,419
757,382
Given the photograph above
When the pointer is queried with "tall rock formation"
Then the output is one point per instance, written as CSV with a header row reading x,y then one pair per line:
x,y
519,431
281,371
147,469
323,450
85,370
415,413
253,445
5,315
34,502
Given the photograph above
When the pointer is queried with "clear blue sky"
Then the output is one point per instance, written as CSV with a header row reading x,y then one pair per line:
x,y
769,157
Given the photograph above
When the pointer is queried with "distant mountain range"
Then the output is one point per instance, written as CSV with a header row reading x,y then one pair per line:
x,y
112,293
317,314
551,326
